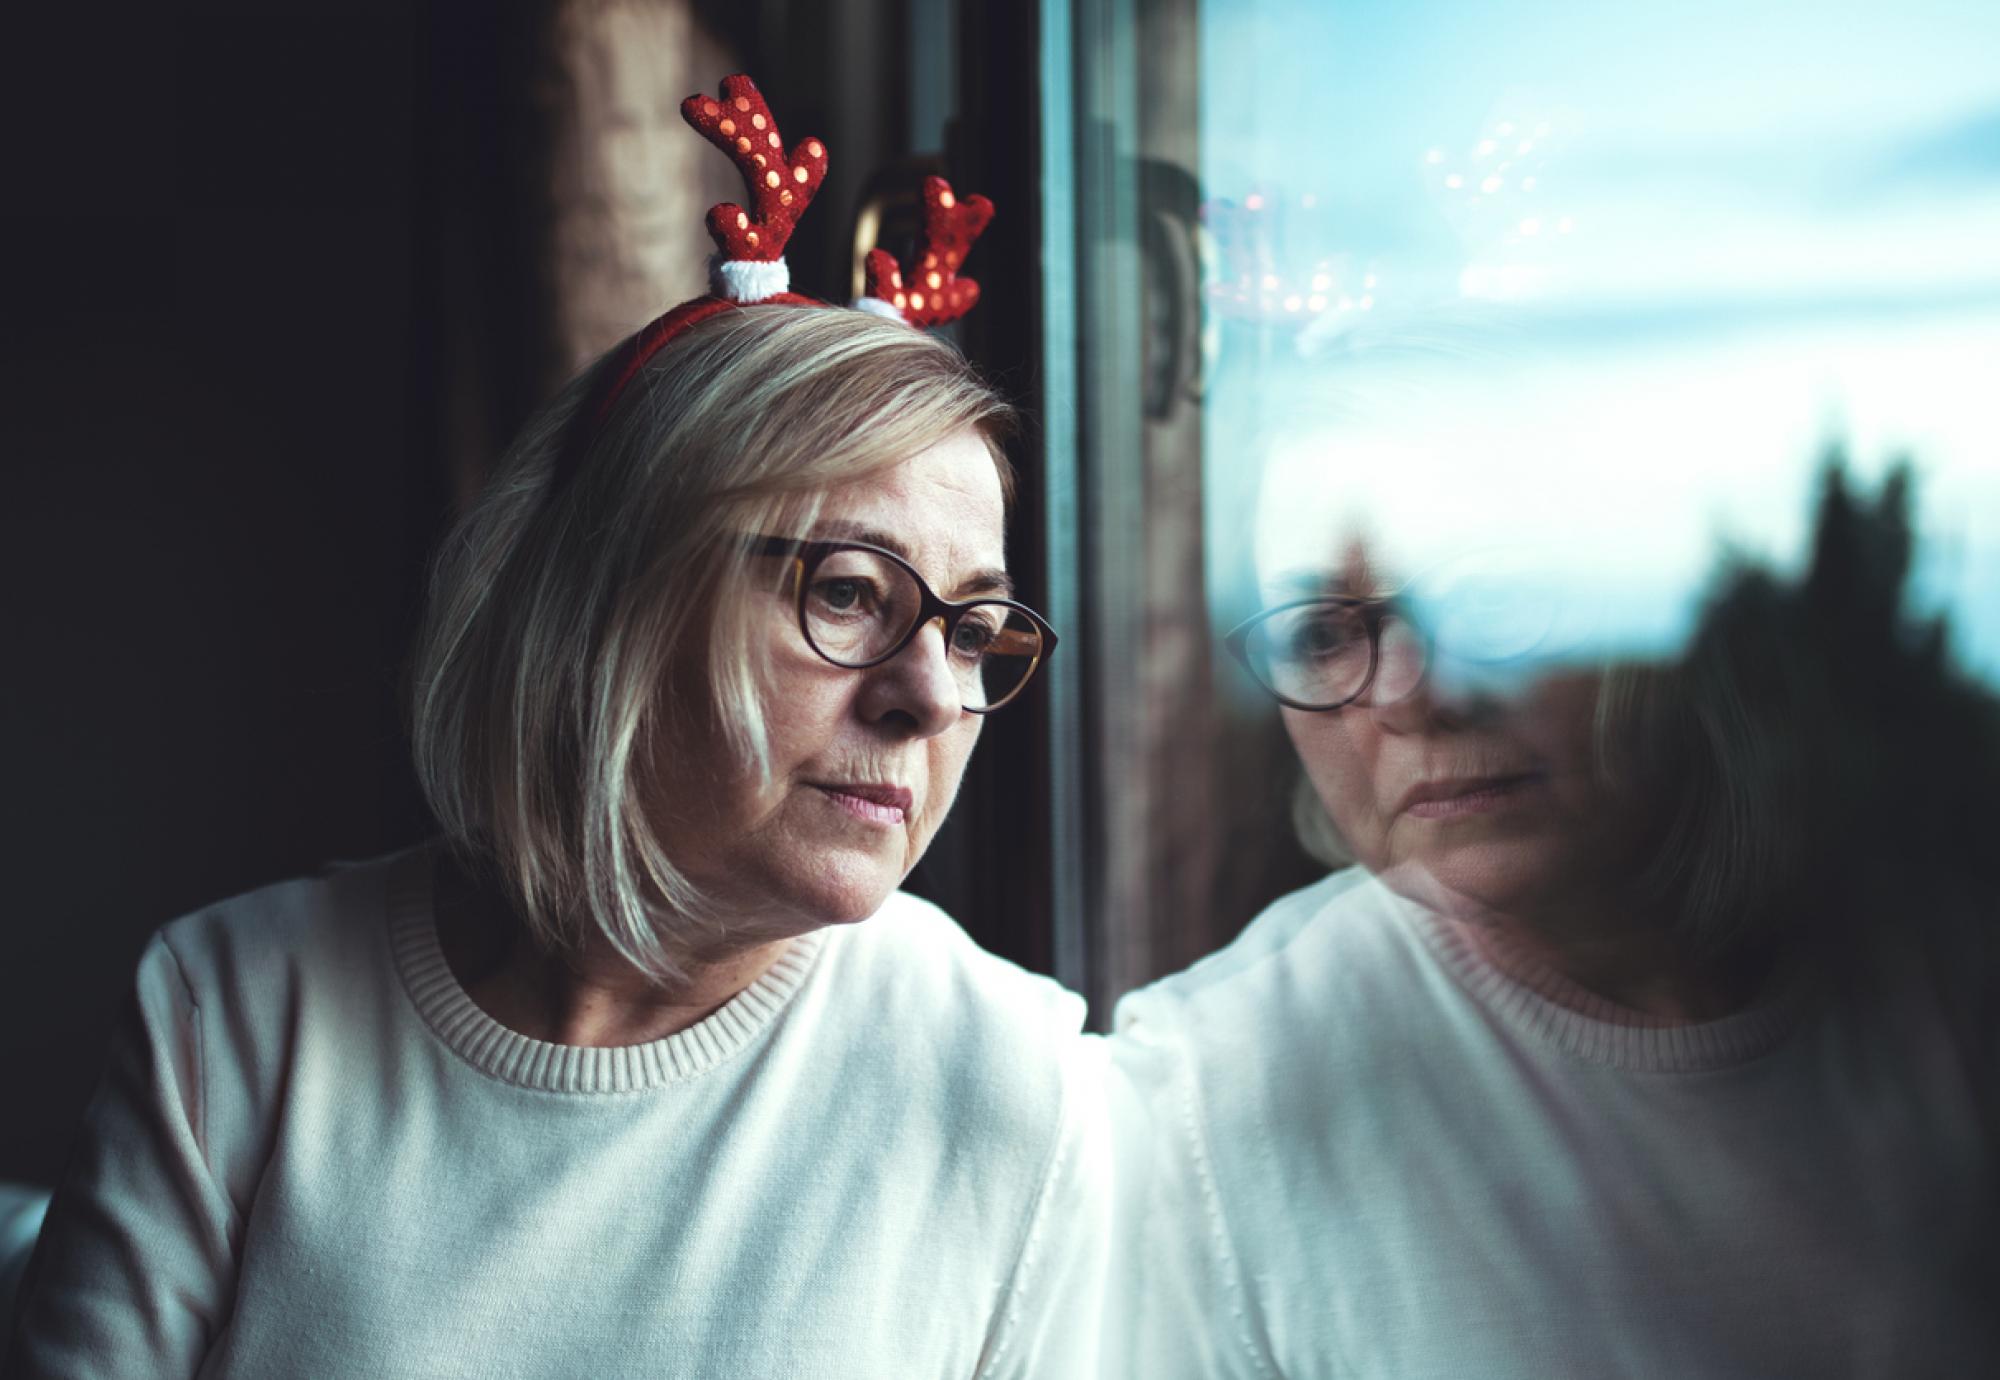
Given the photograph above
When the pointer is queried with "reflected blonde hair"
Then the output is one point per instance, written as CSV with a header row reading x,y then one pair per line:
x,y
580,622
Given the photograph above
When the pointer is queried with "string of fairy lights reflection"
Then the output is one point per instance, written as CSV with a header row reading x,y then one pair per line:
x,y
1265,261
1248,278
1494,197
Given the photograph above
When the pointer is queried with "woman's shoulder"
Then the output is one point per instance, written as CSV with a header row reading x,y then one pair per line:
x,y
248,941
983,1050
1295,957
918,963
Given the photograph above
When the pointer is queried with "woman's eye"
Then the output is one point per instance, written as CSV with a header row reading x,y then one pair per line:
x,y
1321,637
843,596
974,638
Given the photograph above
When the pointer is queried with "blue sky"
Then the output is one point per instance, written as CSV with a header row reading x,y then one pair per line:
x,y
1598,282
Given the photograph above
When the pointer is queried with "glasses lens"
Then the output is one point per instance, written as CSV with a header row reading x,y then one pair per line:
x,y
994,649
1402,658
1314,654
858,605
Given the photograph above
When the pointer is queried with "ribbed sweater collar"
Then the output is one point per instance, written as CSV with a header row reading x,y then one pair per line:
x,y
1585,1026
526,1062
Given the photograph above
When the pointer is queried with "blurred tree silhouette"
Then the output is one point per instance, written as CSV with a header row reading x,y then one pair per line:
x,y
1851,766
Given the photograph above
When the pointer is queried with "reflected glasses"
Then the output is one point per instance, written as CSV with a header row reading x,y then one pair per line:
x,y
859,605
1321,654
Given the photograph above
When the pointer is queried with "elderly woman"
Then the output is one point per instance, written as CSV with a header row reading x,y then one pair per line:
x,y
1621,1052
648,1068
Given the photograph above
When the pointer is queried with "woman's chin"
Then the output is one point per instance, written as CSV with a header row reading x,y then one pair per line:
x,y
849,889
805,888
1474,876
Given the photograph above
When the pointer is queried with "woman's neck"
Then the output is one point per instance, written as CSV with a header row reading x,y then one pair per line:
x,y
1604,956
1635,978
593,997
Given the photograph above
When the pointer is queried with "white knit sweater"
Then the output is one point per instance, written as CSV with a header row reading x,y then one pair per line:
x,y
313,1155
1349,1145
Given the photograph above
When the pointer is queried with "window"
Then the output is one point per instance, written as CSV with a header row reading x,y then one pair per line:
x,y
1560,303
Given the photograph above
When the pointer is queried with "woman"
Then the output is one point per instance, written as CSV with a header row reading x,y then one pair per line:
x,y
650,1069
1621,1052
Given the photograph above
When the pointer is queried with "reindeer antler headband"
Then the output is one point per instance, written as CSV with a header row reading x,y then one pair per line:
x,y
927,291
749,266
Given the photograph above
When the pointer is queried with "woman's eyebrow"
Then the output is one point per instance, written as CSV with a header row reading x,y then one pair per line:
x,y
1308,583
838,529
1318,582
990,580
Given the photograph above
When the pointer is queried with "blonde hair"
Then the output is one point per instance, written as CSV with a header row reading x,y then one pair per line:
x,y
568,609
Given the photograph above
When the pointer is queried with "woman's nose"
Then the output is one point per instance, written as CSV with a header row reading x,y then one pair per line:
x,y
917,685
1443,694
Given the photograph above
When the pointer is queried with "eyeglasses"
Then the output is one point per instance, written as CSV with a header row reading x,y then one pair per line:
x,y
1321,654
860,605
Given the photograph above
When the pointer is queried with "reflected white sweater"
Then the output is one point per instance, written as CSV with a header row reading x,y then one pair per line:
x,y
313,1155
1351,1146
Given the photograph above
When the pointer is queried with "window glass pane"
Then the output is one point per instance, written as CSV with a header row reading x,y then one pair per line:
x,y
1575,296
1561,311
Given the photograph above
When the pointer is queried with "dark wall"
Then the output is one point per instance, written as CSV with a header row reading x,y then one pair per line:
x,y
266,298
218,491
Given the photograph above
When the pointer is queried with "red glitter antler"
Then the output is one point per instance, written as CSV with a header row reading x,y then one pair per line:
x,y
781,184
928,291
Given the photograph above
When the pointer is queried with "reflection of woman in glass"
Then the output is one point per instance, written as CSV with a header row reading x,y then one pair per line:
x,y
651,1070
1619,1053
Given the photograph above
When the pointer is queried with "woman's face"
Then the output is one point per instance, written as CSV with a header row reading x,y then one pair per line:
x,y
864,763
1487,804
1472,799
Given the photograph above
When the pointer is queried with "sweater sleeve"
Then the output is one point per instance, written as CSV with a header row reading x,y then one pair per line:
x,y
134,1271
1049,1325
1179,1307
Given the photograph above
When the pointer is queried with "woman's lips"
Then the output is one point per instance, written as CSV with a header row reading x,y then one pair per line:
x,y
876,804
1467,795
